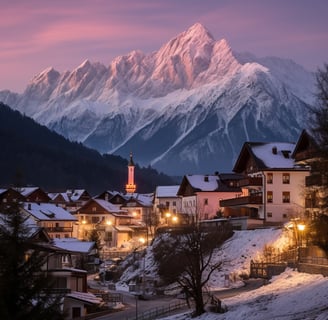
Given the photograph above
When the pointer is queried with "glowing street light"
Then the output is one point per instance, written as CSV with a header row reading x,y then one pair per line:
x,y
301,228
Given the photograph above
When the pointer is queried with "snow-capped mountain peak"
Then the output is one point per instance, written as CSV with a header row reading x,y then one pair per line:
x,y
180,108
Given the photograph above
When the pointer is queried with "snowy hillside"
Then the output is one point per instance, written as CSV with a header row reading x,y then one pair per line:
x,y
236,255
179,108
289,296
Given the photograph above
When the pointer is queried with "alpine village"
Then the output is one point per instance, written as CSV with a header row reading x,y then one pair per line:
x,y
82,237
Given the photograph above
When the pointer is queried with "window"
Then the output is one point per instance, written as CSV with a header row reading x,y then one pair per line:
x,y
286,197
94,209
269,196
205,201
167,204
174,204
285,178
270,178
269,214
284,216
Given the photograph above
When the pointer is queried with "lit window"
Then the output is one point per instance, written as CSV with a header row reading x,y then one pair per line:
x,y
269,196
286,197
285,178
269,178
269,214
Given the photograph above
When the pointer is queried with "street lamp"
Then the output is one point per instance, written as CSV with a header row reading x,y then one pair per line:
x,y
301,228
167,215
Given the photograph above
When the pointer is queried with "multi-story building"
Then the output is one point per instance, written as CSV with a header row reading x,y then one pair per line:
x,y
273,184
201,194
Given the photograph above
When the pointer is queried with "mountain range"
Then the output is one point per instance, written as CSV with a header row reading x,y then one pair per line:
x,y
186,108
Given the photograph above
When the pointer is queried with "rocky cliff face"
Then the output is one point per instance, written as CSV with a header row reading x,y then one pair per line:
x,y
186,108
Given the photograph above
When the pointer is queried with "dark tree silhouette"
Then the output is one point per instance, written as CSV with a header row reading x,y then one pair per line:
x,y
186,257
25,290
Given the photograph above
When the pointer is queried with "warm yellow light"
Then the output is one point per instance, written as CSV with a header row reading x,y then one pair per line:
x,y
134,213
109,223
142,240
301,227
175,219
84,221
167,214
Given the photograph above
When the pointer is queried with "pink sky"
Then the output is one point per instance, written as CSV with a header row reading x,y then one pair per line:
x,y
37,34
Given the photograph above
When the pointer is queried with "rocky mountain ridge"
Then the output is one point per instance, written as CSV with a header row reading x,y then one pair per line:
x,y
186,108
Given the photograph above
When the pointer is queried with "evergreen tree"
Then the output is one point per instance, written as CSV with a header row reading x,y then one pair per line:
x,y
25,290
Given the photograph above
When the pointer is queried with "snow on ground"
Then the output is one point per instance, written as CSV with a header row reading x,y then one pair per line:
x,y
236,255
289,296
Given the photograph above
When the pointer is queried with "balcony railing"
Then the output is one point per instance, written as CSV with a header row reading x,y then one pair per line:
x,y
250,182
59,229
248,201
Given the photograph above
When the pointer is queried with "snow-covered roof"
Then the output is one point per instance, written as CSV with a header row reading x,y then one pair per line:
x,y
86,297
3,190
274,155
145,199
73,244
108,206
48,211
167,191
26,191
203,182
53,196
75,194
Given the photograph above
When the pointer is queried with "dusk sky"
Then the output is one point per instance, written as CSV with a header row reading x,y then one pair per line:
x,y
37,34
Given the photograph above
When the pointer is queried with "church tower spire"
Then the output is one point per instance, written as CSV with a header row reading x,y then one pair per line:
x,y
130,187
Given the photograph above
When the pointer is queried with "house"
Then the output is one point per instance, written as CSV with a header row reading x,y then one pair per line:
x,y
71,283
306,153
78,197
33,194
107,219
273,184
61,199
58,222
81,254
167,204
9,196
201,194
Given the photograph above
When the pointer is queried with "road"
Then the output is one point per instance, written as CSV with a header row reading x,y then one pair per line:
x,y
134,307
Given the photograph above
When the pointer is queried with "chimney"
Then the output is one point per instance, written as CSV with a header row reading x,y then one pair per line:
x,y
274,150
206,178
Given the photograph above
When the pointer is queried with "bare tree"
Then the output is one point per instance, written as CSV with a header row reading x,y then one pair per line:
x,y
185,256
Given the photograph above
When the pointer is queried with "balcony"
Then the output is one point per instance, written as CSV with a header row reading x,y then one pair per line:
x,y
249,201
250,182
59,229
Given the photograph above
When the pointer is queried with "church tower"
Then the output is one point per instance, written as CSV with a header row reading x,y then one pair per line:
x,y
130,187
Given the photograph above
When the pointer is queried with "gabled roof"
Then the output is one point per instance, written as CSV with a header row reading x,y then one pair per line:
x,y
167,191
204,183
272,155
47,211
76,194
106,205
74,245
62,196
26,191
306,148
